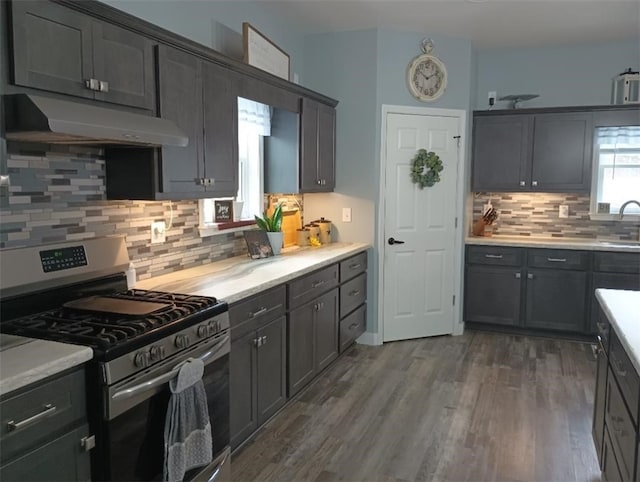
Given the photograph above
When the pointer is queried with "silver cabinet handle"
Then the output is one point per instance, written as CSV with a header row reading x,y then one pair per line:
x,y
523,184
256,342
534,183
258,313
557,260
87,443
618,366
48,410
318,181
352,326
318,306
354,266
103,86
92,84
264,340
493,256
354,292
529,276
315,284
518,276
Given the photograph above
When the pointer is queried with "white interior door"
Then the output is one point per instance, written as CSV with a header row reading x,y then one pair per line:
x,y
419,274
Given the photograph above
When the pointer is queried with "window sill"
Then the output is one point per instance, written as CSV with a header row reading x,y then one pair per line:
x,y
628,218
225,228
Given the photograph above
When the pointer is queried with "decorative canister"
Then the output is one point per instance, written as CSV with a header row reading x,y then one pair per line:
x,y
303,237
314,230
325,230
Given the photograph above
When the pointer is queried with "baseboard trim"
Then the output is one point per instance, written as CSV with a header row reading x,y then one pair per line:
x,y
370,338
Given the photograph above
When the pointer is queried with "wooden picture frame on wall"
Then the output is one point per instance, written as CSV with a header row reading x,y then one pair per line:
x,y
262,53
222,211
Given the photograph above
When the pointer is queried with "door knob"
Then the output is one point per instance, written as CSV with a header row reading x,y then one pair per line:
x,y
395,241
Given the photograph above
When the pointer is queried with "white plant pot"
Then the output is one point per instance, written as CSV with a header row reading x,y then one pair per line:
x,y
275,239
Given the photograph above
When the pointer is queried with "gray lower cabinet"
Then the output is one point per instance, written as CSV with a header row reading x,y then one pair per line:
x,y
492,294
257,362
313,339
599,402
44,433
59,50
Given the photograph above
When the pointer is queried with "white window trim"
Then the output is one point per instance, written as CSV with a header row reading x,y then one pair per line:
x,y
593,205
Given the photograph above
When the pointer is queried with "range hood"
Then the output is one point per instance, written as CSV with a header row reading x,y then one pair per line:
x,y
33,118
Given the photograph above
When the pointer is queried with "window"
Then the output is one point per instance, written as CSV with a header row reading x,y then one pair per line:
x,y
254,123
616,173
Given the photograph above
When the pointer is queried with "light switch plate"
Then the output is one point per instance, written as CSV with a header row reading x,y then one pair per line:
x,y
603,208
346,215
563,211
158,232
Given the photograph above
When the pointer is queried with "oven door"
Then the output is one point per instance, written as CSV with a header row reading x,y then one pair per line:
x,y
131,440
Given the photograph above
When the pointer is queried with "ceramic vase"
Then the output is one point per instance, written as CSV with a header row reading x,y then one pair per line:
x,y
275,239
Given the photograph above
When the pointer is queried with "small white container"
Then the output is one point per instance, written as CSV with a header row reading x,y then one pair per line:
x,y
131,276
626,88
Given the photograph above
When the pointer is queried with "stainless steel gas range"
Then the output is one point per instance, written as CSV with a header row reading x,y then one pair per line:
x,y
76,292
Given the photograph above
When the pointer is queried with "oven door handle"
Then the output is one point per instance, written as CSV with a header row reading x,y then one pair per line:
x,y
165,377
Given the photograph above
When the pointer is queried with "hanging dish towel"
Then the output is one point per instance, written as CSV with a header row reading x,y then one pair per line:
x,y
187,430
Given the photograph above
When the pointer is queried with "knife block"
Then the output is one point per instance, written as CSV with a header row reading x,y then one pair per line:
x,y
479,228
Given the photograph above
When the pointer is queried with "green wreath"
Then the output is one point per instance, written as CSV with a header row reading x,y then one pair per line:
x,y
425,168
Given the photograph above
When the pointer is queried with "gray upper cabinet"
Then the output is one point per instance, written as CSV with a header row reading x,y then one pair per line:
x,y
317,146
546,152
60,50
562,152
199,97
500,153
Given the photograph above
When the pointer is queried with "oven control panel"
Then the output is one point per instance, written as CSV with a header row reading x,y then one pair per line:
x,y
63,258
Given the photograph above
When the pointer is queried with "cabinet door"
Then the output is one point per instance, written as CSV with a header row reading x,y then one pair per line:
x,y
301,344
309,146
272,363
492,295
615,281
60,459
326,147
326,329
598,404
180,92
562,152
243,388
51,48
220,130
501,153
124,59
556,299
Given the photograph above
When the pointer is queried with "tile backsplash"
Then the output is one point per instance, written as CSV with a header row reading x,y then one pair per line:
x,y
58,194
536,214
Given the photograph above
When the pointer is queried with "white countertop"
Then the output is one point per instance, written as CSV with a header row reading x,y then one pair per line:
x,y
25,360
622,308
240,277
556,243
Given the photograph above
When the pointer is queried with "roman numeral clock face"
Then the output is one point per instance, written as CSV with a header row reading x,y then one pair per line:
x,y
427,78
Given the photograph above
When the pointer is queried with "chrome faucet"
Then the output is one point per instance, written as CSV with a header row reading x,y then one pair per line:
x,y
624,205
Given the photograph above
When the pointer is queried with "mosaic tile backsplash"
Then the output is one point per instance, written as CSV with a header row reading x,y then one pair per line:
x,y
536,215
59,194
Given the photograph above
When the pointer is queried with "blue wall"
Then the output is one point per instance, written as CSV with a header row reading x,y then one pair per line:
x,y
565,75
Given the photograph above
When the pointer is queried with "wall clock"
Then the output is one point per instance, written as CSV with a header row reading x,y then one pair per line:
x,y
427,75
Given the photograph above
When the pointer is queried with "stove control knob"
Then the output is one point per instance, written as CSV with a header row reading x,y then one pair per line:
x,y
156,352
182,341
142,359
202,331
214,327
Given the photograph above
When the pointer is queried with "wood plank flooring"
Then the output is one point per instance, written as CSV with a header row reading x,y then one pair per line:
x,y
477,407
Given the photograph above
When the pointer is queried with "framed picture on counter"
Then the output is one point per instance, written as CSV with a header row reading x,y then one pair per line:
x,y
223,211
258,244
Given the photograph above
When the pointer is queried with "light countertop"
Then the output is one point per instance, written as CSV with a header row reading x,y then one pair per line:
x,y
25,360
622,308
556,243
240,277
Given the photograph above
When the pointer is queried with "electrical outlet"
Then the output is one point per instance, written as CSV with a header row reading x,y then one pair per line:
x,y
492,97
563,211
346,215
158,232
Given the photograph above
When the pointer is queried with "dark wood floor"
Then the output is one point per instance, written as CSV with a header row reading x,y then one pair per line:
x,y
477,407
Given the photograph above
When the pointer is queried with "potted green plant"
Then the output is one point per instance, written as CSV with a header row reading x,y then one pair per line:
x,y
273,226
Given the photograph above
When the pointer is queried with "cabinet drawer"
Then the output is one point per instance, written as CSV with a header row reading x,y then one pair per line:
x,y
558,259
494,255
609,464
625,374
35,414
616,262
260,308
353,266
306,288
352,327
621,428
352,294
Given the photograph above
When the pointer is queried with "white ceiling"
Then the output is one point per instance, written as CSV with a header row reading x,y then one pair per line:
x,y
488,24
